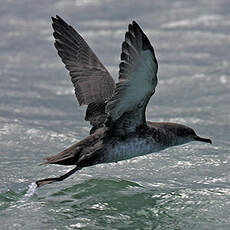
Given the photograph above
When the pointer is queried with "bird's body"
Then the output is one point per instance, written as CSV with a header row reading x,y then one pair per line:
x,y
104,147
147,139
116,112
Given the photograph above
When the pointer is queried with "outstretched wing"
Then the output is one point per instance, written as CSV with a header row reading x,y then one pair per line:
x,y
92,82
137,82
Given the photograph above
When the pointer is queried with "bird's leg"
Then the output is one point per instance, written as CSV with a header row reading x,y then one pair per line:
x,y
55,179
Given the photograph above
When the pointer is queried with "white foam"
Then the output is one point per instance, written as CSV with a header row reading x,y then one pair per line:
x,y
32,188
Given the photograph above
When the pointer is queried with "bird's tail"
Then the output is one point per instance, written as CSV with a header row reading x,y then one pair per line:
x,y
56,179
67,157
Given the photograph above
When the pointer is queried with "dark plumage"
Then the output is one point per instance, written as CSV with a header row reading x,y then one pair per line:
x,y
116,113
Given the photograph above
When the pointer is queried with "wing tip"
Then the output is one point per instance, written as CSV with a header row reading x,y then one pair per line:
x,y
134,23
55,19
146,44
58,20
135,32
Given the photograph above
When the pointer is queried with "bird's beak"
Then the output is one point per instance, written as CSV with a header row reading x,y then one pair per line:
x,y
197,138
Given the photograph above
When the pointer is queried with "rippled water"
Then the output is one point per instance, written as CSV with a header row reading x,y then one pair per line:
x,y
185,187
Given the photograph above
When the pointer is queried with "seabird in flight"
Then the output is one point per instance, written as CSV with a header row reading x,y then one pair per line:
x,y
115,111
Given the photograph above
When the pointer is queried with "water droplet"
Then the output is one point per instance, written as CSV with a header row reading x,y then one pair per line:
x,y
32,188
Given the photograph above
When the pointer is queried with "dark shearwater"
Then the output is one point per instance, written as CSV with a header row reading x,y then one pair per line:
x,y
115,111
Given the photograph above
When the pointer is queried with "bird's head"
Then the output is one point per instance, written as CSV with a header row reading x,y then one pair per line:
x,y
185,134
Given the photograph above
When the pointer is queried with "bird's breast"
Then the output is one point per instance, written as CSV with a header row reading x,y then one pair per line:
x,y
131,147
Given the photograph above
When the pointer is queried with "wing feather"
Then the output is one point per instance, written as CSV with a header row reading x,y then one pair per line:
x,y
137,81
92,82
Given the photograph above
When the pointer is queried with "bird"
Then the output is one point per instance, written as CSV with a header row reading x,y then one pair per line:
x,y
116,111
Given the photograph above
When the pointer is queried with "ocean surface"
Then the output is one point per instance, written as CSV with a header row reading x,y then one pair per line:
x,y
185,187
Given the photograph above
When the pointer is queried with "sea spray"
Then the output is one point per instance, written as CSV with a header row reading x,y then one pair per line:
x,y
32,188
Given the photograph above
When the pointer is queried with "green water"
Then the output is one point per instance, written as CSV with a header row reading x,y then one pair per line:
x,y
114,204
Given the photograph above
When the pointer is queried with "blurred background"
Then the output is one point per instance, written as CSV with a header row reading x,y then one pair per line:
x,y
185,187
